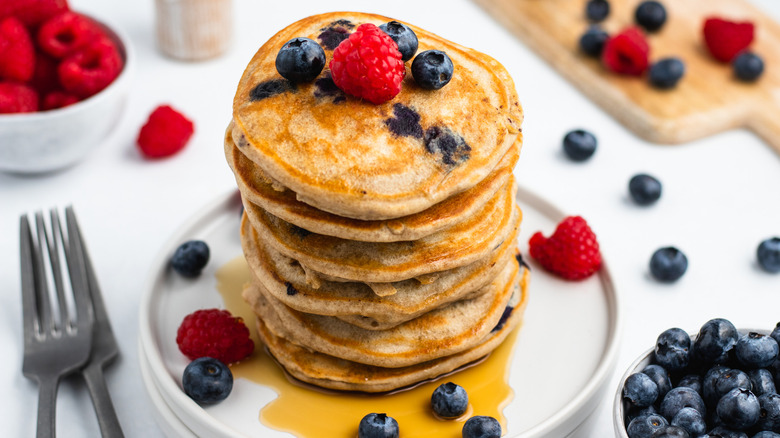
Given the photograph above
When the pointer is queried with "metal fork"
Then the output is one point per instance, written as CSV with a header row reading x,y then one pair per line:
x,y
53,346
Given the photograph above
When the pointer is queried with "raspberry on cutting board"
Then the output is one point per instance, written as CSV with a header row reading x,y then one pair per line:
x,y
214,333
571,252
627,52
726,39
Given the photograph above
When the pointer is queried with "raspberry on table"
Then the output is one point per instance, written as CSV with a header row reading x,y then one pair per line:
x,y
32,12
627,52
571,252
214,333
17,98
64,34
90,69
17,53
368,65
166,132
725,39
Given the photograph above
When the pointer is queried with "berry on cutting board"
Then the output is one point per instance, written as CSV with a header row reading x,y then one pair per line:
x,y
666,73
403,36
593,40
165,133
579,144
214,333
627,53
650,15
300,60
597,10
668,264
748,66
768,254
378,426
644,189
571,252
725,39
432,69
481,426
207,380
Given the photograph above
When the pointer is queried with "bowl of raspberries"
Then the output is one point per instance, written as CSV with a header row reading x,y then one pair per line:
x,y
64,77
719,382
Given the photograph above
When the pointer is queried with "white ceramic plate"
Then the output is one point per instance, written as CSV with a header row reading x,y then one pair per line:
x,y
565,351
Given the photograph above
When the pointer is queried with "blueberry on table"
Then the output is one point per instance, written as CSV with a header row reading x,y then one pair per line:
x,y
593,40
651,15
378,426
481,426
579,145
644,189
715,339
768,254
449,400
762,381
691,420
640,390
739,409
597,10
668,264
671,432
666,73
432,69
403,36
207,380
672,349
300,60
748,66
755,350
644,427
769,419
679,398
190,258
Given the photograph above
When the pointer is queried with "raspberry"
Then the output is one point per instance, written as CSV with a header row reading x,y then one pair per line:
x,y
214,333
166,132
32,12
368,65
572,252
45,78
725,39
57,99
90,69
627,53
17,98
64,34
17,53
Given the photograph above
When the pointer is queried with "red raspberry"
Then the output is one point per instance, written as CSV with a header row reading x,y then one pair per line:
x,y
572,252
214,333
627,53
368,65
17,53
90,69
166,132
66,33
32,12
17,98
45,78
57,99
725,39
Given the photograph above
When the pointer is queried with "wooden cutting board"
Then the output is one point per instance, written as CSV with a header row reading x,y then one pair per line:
x,y
707,100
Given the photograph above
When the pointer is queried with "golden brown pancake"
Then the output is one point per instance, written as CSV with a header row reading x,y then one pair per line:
x,y
356,159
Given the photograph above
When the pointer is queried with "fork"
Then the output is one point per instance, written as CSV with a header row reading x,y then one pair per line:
x,y
56,342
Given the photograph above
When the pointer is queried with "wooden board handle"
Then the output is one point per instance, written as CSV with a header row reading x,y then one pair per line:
x,y
766,122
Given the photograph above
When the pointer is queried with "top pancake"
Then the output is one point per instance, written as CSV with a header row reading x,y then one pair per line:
x,y
356,159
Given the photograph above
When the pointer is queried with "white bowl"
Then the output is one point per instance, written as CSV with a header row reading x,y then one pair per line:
x,y
51,140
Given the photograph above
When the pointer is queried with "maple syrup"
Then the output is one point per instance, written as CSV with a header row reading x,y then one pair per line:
x,y
305,411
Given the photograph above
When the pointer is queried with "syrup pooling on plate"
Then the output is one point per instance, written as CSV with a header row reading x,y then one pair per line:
x,y
308,412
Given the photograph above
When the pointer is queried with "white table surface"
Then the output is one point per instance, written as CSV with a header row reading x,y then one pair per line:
x,y
720,197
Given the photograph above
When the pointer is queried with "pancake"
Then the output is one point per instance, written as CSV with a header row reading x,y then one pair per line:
x,y
257,188
356,303
352,158
330,372
381,262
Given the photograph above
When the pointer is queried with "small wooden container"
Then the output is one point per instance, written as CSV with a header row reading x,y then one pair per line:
x,y
194,30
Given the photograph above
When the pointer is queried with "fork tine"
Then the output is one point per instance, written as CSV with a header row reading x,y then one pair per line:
x,y
54,259
28,279
46,323
78,272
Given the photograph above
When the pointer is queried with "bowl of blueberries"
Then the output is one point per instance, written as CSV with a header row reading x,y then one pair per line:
x,y
721,382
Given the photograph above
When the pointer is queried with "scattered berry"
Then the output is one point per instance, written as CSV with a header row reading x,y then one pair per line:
x,y
64,34
579,145
593,40
716,338
666,73
32,12
597,10
403,36
691,420
57,99
432,69
645,426
368,65
214,333
207,380
17,53
481,426
378,426
672,349
300,60
644,189
627,53
91,68
651,15
768,254
572,252
755,350
668,264
725,39
748,66
449,400
640,390
166,132
190,258
739,409
17,98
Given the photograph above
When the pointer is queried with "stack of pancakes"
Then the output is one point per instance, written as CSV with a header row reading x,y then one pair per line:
x,y
381,238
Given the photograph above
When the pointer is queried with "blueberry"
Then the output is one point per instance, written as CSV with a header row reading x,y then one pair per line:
x,y
729,380
762,381
666,73
644,427
692,381
579,145
739,409
403,36
481,426
636,411
668,264
672,348
640,390
300,60
724,432
769,418
660,376
716,338
769,255
593,40
755,350
651,15
378,426
709,391
671,432
207,380
597,10
432,69
748,66
766,434
644,189
190,258
681,397
449,400
691,420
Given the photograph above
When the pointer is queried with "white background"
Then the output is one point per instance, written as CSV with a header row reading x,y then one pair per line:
x,y
721,197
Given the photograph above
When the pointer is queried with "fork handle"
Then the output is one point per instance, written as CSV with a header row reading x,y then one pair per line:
x,y
101,399
47,402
